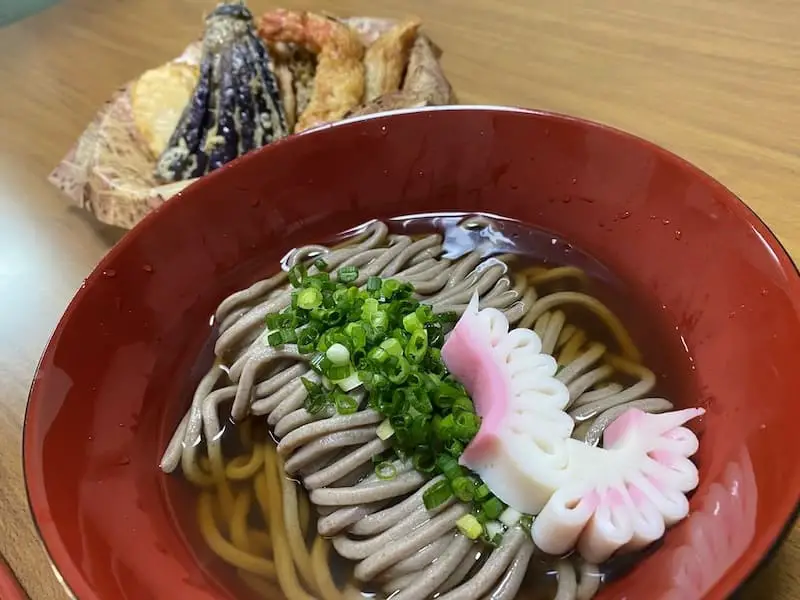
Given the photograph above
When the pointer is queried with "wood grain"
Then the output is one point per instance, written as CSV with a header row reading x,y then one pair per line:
x,y
716,81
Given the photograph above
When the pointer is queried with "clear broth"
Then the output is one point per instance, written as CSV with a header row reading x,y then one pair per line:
x,y
657,338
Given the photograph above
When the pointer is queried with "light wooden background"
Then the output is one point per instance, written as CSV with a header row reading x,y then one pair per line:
x,y
717,81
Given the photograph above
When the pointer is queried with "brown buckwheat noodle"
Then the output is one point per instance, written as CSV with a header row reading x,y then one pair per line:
x,y
382,526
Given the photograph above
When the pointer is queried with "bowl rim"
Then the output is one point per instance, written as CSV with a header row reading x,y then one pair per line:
x,y
48,533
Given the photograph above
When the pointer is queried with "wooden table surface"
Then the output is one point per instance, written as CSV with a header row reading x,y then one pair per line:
x,y
717,81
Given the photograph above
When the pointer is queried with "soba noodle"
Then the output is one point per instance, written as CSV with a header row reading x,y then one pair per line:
x,y
397,546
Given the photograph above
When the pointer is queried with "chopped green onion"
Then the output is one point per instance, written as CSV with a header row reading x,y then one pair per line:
x,y
424,461
357,334
493,531
463,404
349,383
296,275
345,405
411,323
321,264
400,370
338,355
449,467
482,492
417,346
463,488
435,335
470,527
424,313
454,448
318,362
385,430
437,494
421,403
309,298
389,287
510,517
379,320
493,507
316,398
378,355
283,336
337,372
309,385
445,428
526,522
466,425
380,337
392,347
385,470
347,274
448,317
370,306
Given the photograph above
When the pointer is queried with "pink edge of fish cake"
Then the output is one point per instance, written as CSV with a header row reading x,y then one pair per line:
x,y
467,354
635,420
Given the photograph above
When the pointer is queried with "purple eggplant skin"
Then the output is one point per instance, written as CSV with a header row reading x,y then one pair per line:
x,y
235,106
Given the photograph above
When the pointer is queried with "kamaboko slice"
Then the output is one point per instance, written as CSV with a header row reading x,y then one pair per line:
x,y
599,500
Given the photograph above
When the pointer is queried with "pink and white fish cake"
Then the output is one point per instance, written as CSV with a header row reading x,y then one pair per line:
x,y
596,500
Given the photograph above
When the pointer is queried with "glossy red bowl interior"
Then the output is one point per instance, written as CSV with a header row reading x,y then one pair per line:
x,y
120,367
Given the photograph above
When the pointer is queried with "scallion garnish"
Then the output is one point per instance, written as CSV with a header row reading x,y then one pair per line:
x,y
385,470
349,383
345,405
338,354
347,274
411,322
482,492
510,517
417,346
309,298
470,526
379,337
437,494
296,275
493,507
424,461
449,466
463,488
493,532
385,430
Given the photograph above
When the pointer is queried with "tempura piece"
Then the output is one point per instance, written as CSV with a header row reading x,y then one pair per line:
x,y
424,77
158,99
386,59
339,81
295,68
424,84
235,106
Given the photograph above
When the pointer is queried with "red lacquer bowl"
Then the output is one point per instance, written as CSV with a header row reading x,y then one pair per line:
x,y
119,370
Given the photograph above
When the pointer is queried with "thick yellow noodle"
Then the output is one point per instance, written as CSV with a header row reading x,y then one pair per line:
x,y
275,551
225,549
